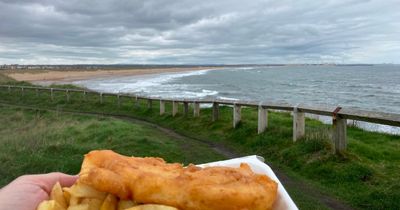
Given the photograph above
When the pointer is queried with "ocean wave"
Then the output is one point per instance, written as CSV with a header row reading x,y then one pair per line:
x,y
227,98
129,84
363,125
172,93
243,68
188,94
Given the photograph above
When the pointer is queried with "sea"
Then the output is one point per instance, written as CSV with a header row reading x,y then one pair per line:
x,y
364,87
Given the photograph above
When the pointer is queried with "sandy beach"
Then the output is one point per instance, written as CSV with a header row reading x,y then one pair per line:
x,y
73,75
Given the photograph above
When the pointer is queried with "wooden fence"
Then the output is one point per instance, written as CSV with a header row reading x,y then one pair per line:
x,y
339,114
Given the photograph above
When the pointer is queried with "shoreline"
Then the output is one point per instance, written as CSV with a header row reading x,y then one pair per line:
x,y
74,75
70,76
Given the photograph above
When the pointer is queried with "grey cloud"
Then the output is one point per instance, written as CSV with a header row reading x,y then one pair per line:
x,y
230,31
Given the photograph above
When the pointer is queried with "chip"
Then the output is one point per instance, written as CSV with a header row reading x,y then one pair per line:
x,y
110,203
125,204
152,207
81,190
57,195
79,207
50,205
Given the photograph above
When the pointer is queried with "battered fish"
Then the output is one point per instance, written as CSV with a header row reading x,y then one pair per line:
x,y
152,180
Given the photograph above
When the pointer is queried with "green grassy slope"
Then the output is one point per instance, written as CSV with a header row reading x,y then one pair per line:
x,y
40,142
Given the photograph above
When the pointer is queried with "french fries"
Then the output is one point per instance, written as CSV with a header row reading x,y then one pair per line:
x,y
152,207
79,207
85,191
50,205
125,204
57,195
83,197
110,203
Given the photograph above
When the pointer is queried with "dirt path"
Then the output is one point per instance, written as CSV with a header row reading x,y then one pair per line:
x,y
323,198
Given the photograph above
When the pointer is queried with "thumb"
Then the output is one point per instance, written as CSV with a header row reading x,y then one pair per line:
x,y
47,181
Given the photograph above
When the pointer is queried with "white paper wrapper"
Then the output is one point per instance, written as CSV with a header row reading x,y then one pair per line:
x,y
283,201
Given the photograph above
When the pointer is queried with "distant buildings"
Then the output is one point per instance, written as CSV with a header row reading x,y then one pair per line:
x,y
140,66
48,67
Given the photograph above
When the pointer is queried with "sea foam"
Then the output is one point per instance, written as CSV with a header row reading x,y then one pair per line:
x,y
157,85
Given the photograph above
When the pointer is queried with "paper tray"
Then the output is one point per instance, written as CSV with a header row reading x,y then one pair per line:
x,y
283,201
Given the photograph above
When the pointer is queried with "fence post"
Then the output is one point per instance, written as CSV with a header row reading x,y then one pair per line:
x,y
339,134
101,98
196,109
137,105
84,95
119,100
22,90
262,119
162,107
149,103
9,89
51,94
298,124
67,94
215,114
186,108
237,114
174,108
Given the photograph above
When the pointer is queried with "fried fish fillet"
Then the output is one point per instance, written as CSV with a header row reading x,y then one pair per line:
x,y
152,180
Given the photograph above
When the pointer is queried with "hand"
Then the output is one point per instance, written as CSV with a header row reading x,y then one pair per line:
x,y
26,192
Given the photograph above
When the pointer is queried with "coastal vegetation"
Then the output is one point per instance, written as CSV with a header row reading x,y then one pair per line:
x,y
365,176
41,141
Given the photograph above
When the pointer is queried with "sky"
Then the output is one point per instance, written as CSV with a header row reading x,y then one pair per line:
x,y
199,31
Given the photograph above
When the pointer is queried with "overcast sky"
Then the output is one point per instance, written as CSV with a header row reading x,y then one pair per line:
x,y
199,31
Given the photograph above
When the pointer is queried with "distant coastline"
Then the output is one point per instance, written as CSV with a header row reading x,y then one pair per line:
x,y
74,75
158,66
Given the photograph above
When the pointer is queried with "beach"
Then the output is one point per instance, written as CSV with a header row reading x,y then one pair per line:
x,y
74,75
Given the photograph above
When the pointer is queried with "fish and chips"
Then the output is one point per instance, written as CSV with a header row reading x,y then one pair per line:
x,y
110,181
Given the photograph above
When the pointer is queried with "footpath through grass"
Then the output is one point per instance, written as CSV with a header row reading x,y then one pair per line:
x,y
366,176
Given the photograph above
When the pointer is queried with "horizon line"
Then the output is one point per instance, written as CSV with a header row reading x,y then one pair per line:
x,y
204,64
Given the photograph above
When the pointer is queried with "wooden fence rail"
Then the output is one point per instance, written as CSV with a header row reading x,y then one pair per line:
x,y
339,115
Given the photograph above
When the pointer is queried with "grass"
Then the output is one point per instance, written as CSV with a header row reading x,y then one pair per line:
x,y
40,142
365,177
